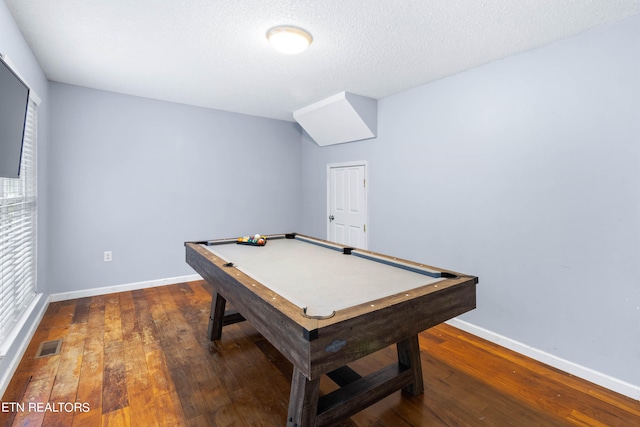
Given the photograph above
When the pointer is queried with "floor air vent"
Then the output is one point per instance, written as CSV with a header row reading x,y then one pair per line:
x,y
49,348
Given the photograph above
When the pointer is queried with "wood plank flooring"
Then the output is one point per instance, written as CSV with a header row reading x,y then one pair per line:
x,y
141,358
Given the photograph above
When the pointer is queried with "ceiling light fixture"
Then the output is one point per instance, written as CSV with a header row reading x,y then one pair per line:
x,y
289,40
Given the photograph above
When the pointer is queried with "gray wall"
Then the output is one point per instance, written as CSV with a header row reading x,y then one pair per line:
x,y
140,177
525,172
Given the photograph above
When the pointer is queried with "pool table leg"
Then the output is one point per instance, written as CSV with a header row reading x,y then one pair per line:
x,y
216,316
219,317
409,355
303,400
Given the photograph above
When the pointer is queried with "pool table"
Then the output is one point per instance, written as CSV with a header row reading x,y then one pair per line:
x,y
324,305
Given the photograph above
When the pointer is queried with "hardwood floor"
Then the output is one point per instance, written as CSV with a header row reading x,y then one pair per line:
x,y
141,358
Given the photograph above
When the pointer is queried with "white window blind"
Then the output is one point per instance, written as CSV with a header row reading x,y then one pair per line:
x,y
18,234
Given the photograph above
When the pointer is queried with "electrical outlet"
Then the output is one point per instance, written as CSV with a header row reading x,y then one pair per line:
x,y
107,256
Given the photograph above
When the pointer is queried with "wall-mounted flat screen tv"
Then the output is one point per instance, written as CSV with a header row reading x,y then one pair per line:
x,y
14,101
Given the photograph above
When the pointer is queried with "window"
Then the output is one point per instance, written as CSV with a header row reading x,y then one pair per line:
x,y
18,235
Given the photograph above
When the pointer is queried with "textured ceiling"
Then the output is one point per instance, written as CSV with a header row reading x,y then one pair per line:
x,y
214,53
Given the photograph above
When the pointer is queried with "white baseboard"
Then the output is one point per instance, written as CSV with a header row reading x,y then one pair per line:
x,y
63,296
604,380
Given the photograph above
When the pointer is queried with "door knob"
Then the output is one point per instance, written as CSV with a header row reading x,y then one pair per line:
x,y
331,217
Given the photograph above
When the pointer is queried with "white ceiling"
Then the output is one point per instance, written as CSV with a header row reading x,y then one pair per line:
x,y
214,53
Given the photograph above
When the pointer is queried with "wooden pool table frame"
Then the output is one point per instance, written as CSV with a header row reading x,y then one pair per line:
x,y
319,347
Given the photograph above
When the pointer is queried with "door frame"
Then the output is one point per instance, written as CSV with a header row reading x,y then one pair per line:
x,y
330,166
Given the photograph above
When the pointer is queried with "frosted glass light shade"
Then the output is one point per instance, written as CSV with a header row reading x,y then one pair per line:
x,y
289,40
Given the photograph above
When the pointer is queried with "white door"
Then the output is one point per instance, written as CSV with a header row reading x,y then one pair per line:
x,y
347,204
